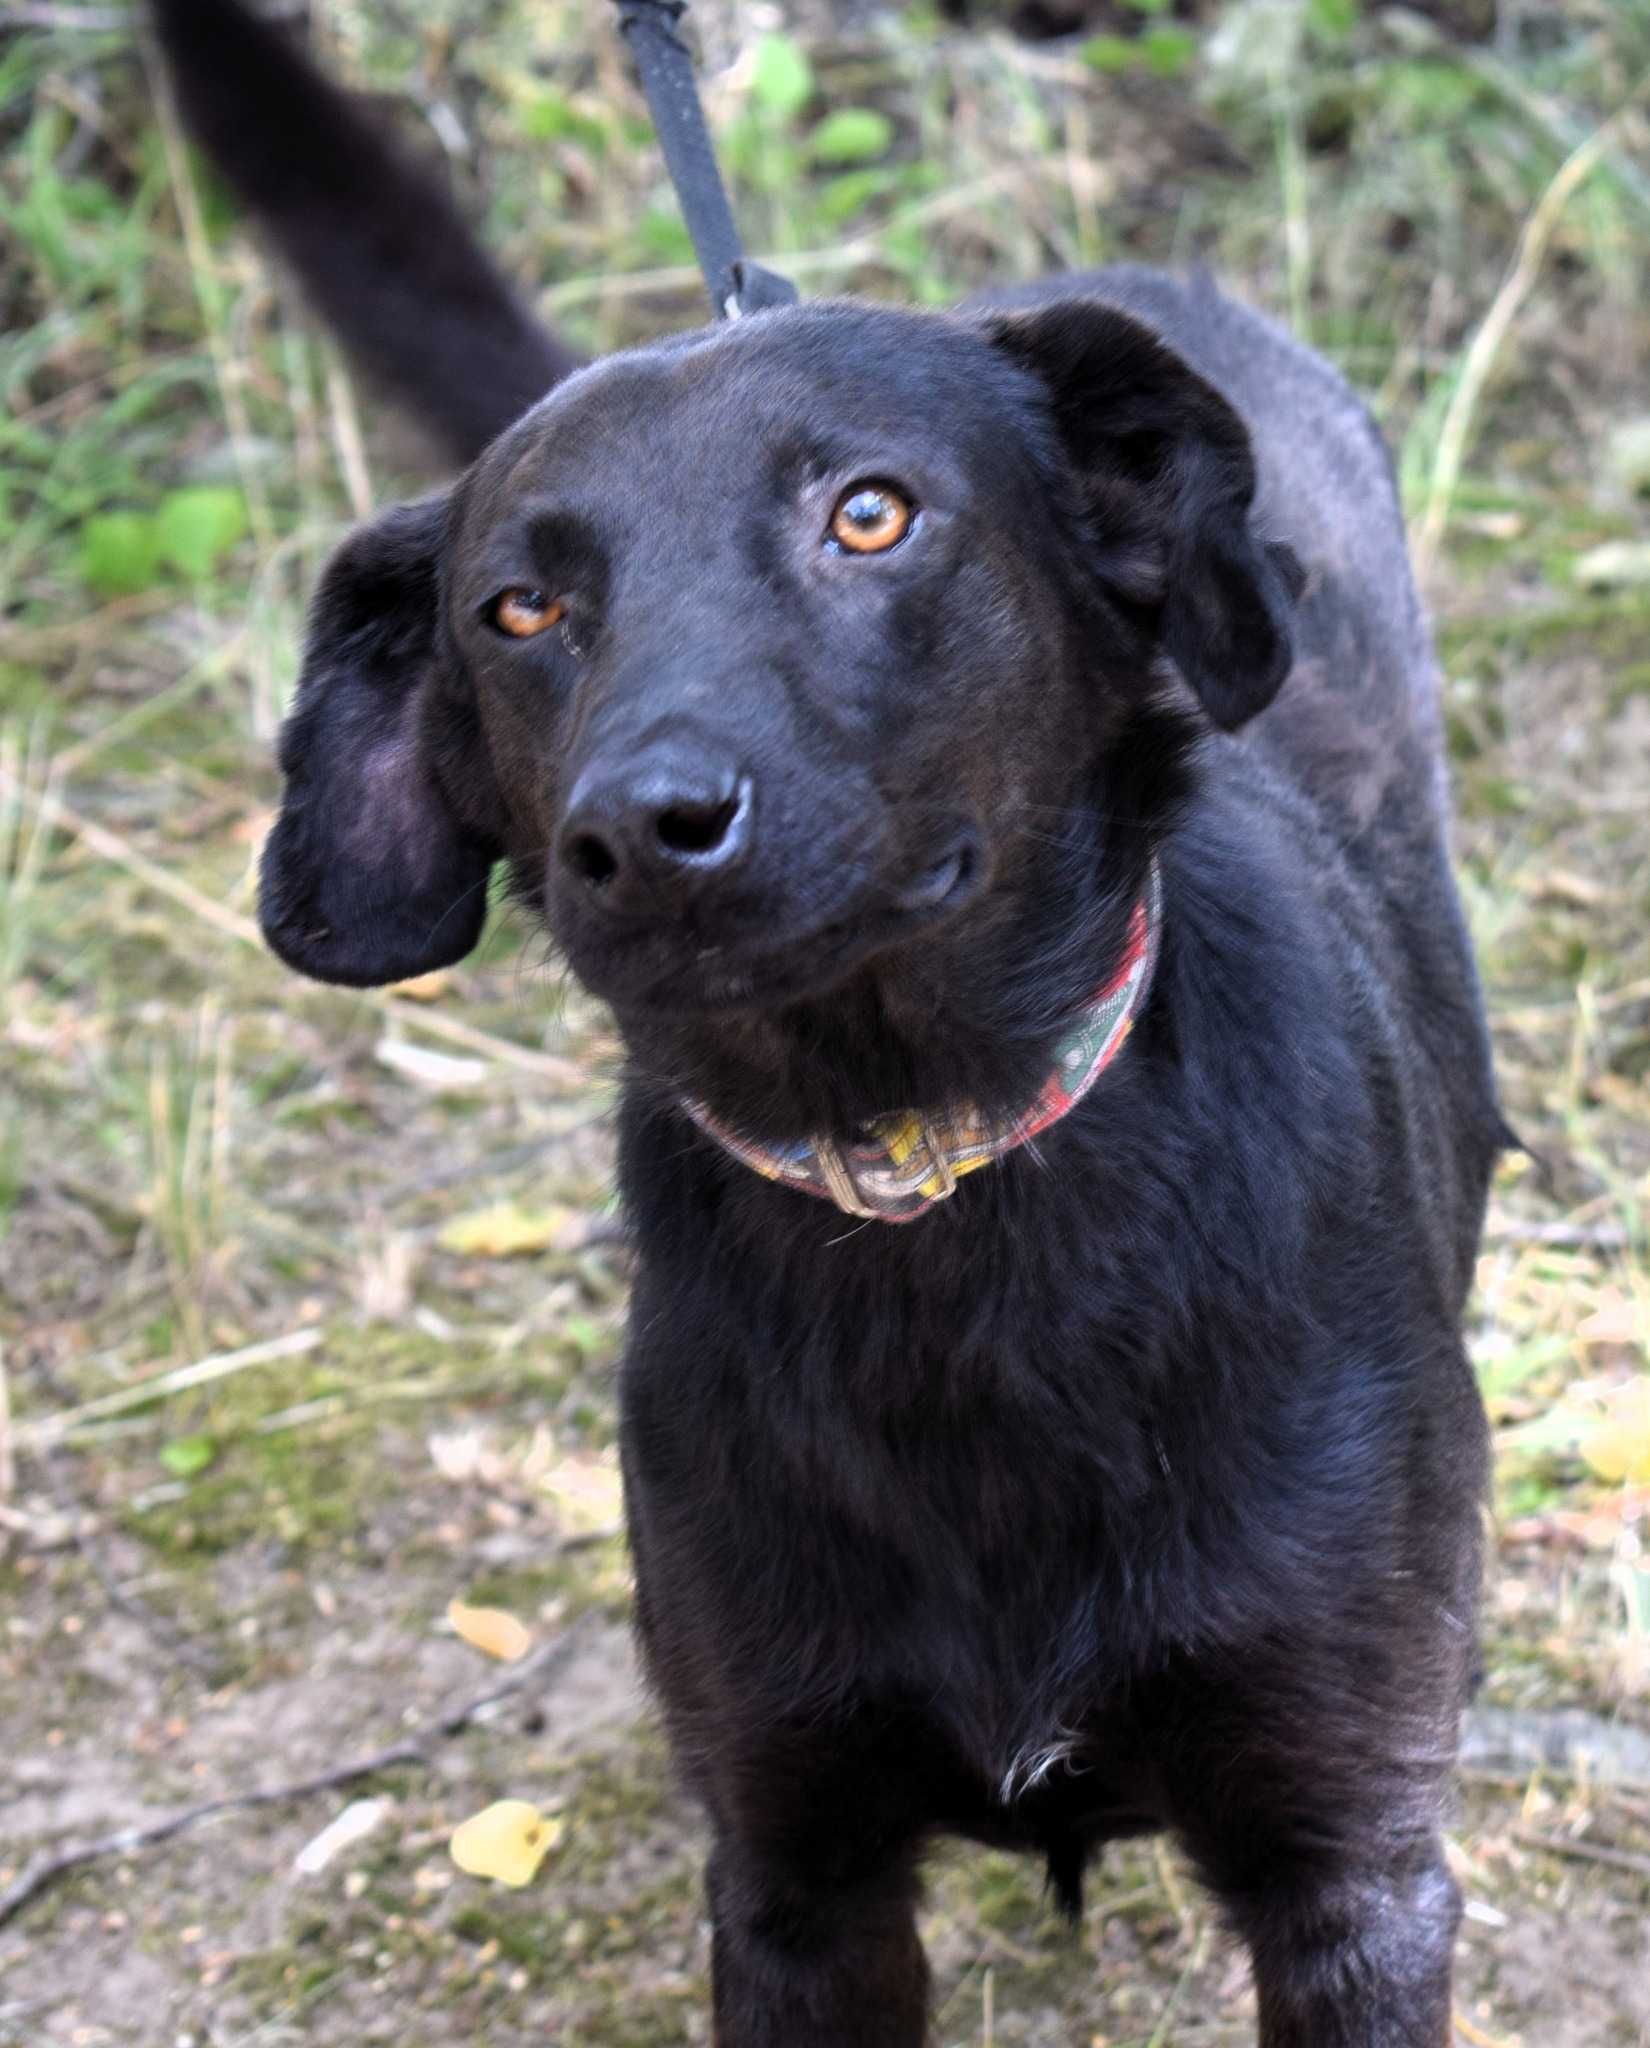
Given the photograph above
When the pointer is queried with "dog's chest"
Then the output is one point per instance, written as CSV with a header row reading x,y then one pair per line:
x,y
982,1562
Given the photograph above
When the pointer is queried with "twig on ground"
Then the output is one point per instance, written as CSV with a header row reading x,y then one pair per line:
x,y
1570,1743
46,1869
1584,1852
547,1066
49,1429
1606,1237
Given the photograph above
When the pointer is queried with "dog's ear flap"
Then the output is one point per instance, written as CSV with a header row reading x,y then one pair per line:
x,y
1167,477
371,874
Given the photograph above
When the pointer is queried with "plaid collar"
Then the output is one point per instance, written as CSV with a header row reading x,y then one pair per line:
x,y
906,1162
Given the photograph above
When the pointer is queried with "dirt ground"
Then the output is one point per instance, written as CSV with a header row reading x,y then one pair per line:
x,y
309,1302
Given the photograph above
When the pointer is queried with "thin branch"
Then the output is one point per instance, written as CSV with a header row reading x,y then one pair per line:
x,y
1584,1852
46,1869
220,1365
1607,1237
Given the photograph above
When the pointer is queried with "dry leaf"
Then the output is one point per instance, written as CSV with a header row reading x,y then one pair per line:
x,y
587,1492
491,1630
1614,564
1626,1097
1494,525
1564,885
506,1841
444,1072
353,1825
1618,1446
458,1454
1616,1321
507,1231
425,988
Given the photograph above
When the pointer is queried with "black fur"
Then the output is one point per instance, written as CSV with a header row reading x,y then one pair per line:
x,y
373,236
1137,1486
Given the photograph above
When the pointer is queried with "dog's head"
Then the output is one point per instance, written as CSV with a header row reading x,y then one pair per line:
x,y
767,653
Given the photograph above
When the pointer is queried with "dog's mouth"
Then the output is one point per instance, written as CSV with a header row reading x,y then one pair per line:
x,y
670,970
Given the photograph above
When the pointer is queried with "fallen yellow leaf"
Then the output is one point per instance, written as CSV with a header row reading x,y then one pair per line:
x,y
507,1231
587,1492
1616,1321
506,1841
491,1630
1618,1446
425,988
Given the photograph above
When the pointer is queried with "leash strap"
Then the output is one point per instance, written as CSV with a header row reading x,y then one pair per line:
x,y
665,66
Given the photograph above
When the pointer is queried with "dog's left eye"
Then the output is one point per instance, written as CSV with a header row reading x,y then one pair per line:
x,y
870,518
522,613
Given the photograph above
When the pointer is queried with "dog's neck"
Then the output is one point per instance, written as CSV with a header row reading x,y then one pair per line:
x,y
906,1161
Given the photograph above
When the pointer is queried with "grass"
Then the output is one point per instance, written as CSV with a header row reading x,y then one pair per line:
x,y
198,1154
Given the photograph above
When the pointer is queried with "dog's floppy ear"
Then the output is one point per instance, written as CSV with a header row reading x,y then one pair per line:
x,y
1168,478
372,873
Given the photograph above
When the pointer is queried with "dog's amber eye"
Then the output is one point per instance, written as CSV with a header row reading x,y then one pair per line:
x,y
522,613
869,519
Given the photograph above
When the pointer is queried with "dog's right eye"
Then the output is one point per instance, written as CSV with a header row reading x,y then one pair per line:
x,y
522,612
870,518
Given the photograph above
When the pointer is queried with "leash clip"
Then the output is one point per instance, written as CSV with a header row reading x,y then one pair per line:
x,y
756,289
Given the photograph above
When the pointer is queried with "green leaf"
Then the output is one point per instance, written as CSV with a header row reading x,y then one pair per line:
x,y
1426,94
195,528
842,197
852,135
662,236
1168,51
783,80
184,1456
1149,6
548,117
1111,53
119,552
1332,18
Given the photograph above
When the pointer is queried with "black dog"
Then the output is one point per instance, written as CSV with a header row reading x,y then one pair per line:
x,y
854,692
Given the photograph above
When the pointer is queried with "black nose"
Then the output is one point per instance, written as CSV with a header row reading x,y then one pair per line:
x,y
645,832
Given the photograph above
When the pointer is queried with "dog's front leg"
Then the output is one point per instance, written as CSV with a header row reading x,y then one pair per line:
x,y
798,1962
1356,1962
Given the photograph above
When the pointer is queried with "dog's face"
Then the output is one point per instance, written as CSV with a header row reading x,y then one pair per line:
x,y
759,655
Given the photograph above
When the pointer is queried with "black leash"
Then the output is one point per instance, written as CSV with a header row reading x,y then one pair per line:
x,y
665,66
